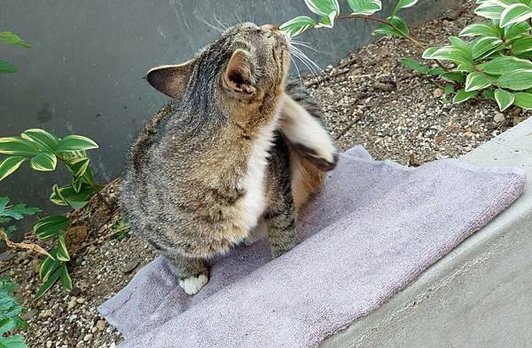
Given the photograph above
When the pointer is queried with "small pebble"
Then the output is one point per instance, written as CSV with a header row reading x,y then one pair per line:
x,y
437,93
100,325
499,118
72,303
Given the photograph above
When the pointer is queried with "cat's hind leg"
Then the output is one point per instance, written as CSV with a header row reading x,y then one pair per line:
x,y
300,123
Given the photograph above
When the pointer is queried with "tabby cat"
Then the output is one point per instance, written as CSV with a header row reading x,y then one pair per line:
x,y
237,149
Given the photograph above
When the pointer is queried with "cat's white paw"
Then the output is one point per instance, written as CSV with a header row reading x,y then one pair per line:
x,y
193,284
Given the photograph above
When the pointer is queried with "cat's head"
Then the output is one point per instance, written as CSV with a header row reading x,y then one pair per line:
x,y
245,65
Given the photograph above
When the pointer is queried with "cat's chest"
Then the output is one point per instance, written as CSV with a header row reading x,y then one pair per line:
x,y
254,202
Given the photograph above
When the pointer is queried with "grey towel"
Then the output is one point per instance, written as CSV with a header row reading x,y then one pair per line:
x,y
375,227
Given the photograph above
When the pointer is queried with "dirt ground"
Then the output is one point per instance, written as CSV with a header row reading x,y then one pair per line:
x,y
369,99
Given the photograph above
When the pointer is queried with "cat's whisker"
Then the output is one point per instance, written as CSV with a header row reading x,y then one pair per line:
x,y
224,26
297,43
212,26
238,17
313,68
307,65
308,60
297,69
300,41
296,56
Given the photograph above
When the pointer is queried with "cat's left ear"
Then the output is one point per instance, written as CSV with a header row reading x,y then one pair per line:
x,y
237,76
171,80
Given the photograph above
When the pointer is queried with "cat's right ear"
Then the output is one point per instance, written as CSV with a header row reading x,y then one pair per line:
x,y
237,76
171,79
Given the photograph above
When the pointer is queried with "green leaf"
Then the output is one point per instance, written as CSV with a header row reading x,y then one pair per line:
x,y
10,38
457,55
6,325
6,285
397,28
515,13
462,96
48,267
476,81
516,30
323,7
522,45
44,162
78,166
17,146
504,65
326,21
61,252
9,165
489,10
462,46
454,76
88,177
517,80
17,211
401,4
15,341
66,281
75,143
76,184
365,7
41,137
448,90
414,65
523,100
48,284
481,29
7,67
51,227
10,230
484,46
503,98
67,195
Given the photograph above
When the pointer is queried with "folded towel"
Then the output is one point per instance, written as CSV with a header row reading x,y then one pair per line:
x,y
374,228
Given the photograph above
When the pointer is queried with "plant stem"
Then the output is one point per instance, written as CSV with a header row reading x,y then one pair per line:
x,y
105,201
383,21
388,23
26,246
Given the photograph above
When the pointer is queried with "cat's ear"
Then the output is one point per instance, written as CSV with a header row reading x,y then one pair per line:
x,y
171,79
237,76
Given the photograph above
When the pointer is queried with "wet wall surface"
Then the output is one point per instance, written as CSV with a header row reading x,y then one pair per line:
x,y
84,74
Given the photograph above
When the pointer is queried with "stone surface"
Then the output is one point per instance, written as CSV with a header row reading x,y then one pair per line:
x,y
479,294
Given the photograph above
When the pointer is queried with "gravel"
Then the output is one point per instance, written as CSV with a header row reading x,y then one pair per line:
x,y
368,99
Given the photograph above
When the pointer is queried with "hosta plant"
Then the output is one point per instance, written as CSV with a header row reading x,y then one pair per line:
x,y
42,151
489,59
494,57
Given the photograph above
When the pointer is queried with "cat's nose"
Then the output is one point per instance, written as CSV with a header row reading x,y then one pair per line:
x,y
271,27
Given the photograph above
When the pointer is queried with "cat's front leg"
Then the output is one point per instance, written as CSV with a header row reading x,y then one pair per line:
x,y
306,133
193,272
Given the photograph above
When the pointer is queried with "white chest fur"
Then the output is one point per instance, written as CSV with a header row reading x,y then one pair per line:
x,y
253,203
